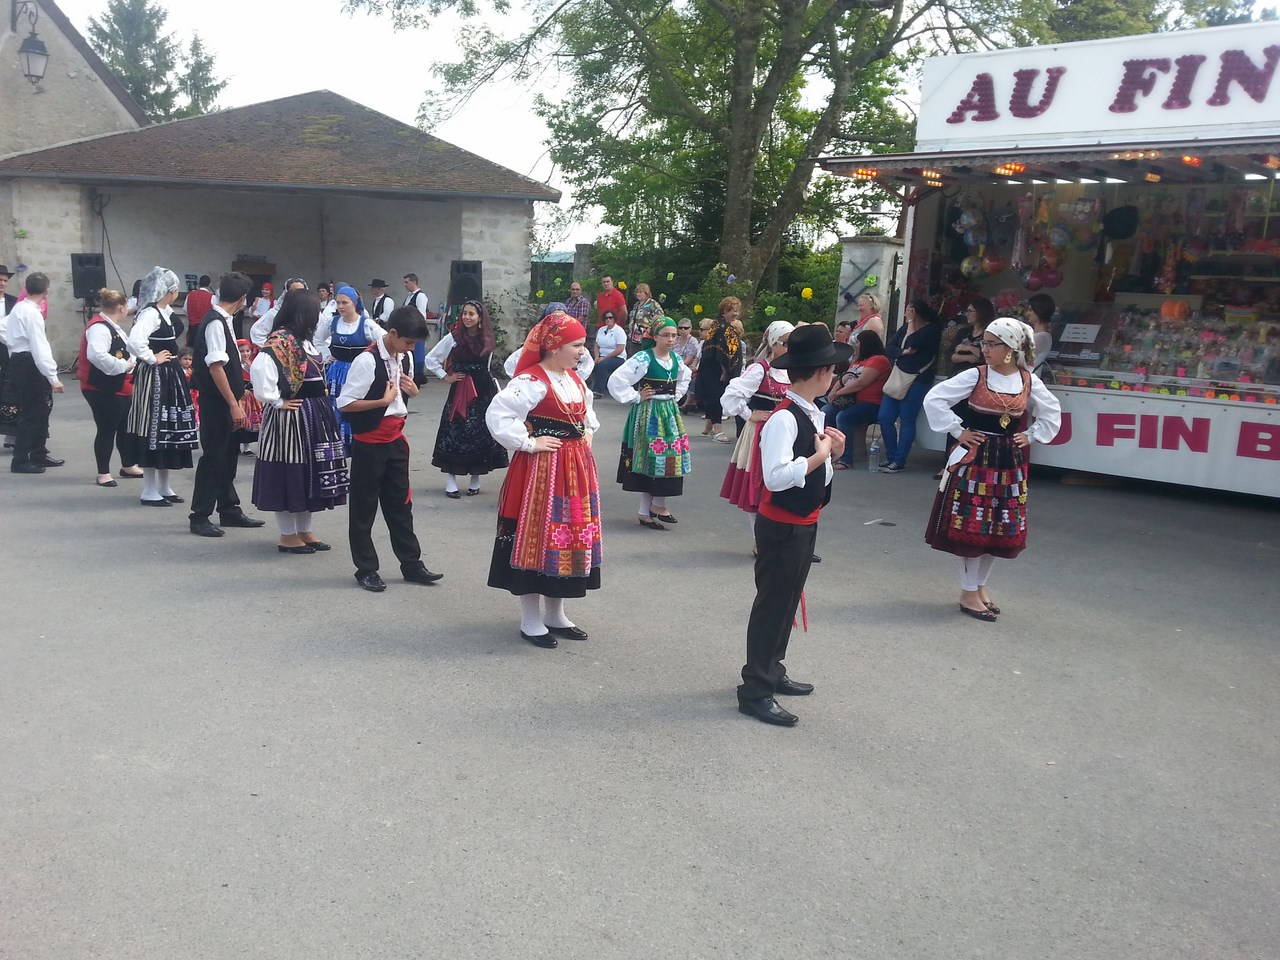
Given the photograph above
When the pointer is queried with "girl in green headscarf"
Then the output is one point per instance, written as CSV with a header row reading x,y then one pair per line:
x,y
655,449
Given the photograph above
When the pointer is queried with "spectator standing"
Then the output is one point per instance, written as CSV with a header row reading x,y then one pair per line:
x,y
610,298
579,307
643,315
689,349
914,350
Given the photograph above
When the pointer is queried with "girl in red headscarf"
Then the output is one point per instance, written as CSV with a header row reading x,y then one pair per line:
x,y
548,542
463,443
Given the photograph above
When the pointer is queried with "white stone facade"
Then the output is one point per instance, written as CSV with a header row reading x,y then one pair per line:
x,y
197,231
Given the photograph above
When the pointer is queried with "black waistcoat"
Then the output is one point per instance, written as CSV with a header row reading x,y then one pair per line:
x,y
366,420
200,376
816,492
106,382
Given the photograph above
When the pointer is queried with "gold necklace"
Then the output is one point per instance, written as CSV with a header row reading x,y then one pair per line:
x,y
1005,405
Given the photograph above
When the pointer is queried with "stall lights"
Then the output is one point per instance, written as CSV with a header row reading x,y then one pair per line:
x,y
1151,176
1136,155
931,174
1010,169
1191,161
933,182
865,173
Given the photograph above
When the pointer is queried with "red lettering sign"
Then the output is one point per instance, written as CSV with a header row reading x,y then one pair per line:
x,y
1139,77
1115,426
1064,432
1019,103
1255,81
1259,441
980,101
1194,434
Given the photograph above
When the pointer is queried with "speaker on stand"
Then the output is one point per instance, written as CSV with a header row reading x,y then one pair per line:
x,y
466,281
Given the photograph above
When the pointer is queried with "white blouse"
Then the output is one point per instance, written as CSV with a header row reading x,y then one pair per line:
x,y
98,348
265,376
325,330
511,407
740,390
622,382
584,367
144,325
1043,406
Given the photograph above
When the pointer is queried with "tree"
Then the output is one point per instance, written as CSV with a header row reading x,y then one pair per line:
x,y
731,101
130,39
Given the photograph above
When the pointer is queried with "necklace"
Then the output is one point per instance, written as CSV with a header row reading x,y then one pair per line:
x,y
1006,405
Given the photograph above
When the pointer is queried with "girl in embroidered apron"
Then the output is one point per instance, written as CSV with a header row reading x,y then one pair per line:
x,y
655,456
548,540
463,442
302,465
350,333
161,432
753,396
980,512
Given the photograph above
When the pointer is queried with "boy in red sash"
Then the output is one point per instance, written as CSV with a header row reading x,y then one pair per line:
x,y
796,449
372,400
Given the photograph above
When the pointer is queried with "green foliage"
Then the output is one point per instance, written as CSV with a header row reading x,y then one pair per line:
x,y
130,39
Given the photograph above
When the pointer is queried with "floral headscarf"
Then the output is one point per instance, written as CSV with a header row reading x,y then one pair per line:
x,y
550,333
155,285
1018,336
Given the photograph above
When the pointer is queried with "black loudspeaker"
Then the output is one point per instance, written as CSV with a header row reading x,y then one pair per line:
x,y
88,275
466,281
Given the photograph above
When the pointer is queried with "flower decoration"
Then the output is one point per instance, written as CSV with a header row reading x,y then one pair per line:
x,y
539,294
556,282
681,444
662,298
697,308
561,536
658,446
671,275
806,293
622,284
588,533
731,278
770,310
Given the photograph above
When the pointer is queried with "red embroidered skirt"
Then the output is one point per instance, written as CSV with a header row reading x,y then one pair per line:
x,y
983,507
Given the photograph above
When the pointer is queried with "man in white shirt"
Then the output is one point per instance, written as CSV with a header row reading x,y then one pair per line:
x,y
5,306
418,299
381,304
610,349
261,328
372,400
35,377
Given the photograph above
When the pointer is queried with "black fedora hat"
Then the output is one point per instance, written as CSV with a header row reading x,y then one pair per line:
x,y
5,271
812,346
377,284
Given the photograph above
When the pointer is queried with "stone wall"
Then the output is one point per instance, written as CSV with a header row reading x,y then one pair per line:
x,y
71,103
500,233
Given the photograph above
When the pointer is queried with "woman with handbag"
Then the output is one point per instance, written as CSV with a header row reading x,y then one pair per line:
x,y
980,512
854,404
913,349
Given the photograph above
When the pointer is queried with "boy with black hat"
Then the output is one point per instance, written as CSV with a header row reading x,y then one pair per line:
x,y
796,450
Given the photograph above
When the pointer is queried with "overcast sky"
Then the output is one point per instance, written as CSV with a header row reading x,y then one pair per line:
x,y
268,49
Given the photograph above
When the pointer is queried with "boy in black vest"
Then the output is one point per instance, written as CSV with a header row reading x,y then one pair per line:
x,y
372,400
217,375
795,454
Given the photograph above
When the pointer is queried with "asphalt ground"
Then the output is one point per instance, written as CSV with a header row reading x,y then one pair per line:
x,y
212,750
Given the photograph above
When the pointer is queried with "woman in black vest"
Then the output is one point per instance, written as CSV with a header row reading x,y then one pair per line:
x,y
104,372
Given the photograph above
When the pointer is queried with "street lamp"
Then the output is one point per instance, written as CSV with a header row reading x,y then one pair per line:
x,y
33,54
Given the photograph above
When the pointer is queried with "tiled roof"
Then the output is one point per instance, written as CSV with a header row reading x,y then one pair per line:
x,y
313,142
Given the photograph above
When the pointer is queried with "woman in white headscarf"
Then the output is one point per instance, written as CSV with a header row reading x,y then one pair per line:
x,y
980,512
753,396
162,419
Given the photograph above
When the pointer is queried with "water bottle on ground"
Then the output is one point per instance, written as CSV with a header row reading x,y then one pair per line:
x,y
873,455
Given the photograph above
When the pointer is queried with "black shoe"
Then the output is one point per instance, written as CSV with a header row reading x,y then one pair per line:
x,y
885,464
473,491
47,461
201,528
545,640
453,494
815,559
155,503
27,467
371,582
305,548
129,476
174,498
109,483
768,711
569,633
319,546
664,517
240,520
790,688
422,575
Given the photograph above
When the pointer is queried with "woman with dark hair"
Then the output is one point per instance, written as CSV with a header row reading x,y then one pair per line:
x,y
162,417
720,362
913,349
966,344
302,466
347,335
463,442
103,371
855,403
1040,311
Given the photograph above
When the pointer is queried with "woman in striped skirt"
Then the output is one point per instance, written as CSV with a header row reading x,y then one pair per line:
x,y
301,466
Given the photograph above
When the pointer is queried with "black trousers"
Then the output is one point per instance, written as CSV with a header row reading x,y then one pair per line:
x,y
380,477
34,394
215,487
111,416
784,553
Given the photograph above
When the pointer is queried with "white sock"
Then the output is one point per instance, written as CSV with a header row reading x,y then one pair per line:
x,y
149,489
553,612
286,524
751,525
646,505
659,504
162,483
451,486
969,573
530,616
475,482
303,521
985,563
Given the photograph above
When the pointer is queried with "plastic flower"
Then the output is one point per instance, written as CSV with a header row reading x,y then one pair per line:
x,y
539,294
671,276
658,446
697,308
730,278
662,298
806,293
770,310
555,282
622,284
562,536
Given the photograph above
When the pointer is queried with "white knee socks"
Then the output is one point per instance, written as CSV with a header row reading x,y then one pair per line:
x,y
646,505
162,483
303,521
149,489
451,486
530,616
976,571
286,523
553,612
475,482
